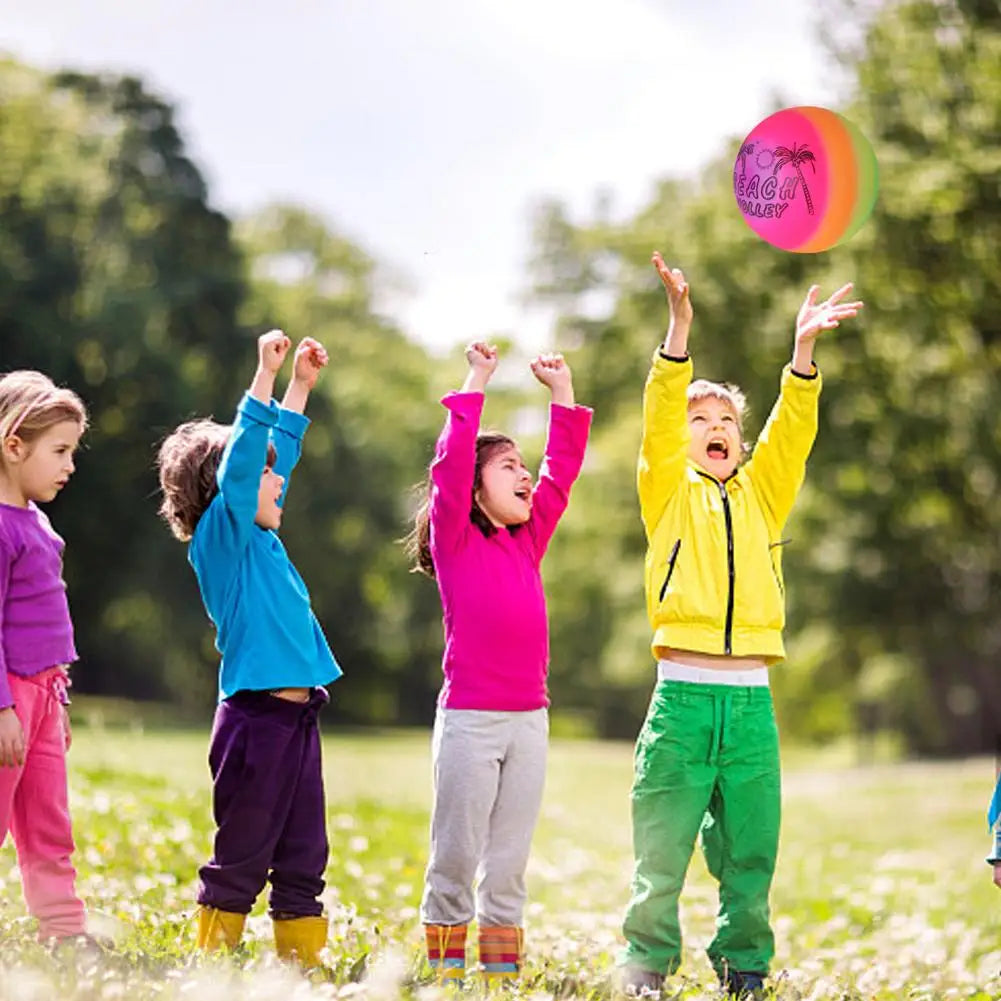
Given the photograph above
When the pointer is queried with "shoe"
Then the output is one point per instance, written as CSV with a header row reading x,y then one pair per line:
x,y
301,940
446,951
744,985
218,930
502,949
635,982
81,944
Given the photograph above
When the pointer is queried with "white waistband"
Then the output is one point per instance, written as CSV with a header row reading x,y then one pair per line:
x,y
670,670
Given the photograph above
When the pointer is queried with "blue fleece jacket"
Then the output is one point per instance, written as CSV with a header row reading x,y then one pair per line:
x,y
266,630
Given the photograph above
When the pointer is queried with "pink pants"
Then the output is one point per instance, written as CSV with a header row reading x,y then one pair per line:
x,y
34,807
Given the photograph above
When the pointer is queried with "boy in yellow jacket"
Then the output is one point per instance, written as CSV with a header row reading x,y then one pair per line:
x,y
707,758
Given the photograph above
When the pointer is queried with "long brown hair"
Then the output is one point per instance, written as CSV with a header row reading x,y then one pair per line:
x,y
418,542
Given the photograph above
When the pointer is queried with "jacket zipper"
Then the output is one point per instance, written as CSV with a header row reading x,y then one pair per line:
x,y
730,571
670,568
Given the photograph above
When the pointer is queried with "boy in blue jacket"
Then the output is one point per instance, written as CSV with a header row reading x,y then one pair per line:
x,y
223,489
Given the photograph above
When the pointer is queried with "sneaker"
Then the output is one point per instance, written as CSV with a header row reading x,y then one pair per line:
x,y
744,985
635,982
81,945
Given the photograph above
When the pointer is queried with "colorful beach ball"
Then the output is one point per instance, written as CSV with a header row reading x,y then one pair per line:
x,y
805,179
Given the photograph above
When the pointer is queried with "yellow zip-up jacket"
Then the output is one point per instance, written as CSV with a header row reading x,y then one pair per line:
x,y
714,554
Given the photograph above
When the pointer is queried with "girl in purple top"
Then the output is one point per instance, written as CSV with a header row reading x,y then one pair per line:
x,y
40,427
482,533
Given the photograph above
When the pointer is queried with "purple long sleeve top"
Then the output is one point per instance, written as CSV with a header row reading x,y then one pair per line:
x,y
494,608
36,631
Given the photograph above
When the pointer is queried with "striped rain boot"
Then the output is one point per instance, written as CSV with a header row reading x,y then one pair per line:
x,y
501,949
446,946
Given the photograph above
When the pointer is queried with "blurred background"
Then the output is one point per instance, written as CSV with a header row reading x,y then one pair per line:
x,y
396,180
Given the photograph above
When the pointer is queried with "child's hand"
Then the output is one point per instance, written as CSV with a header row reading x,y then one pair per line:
x,y
677,291
11,739
310,357
482,360
552,371
997,875
482,357
272,348
817,316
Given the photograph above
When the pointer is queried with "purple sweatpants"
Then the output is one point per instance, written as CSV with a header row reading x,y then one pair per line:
x,y
268,805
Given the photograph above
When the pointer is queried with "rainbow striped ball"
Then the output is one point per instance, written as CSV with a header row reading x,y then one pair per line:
x,y
805,179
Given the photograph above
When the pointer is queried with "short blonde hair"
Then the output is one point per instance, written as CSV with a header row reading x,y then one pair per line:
x,y
31,403
703,389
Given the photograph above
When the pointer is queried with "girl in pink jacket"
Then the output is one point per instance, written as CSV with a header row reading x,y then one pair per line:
x,y
482,533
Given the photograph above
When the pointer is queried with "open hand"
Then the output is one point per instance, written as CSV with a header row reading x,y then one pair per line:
x,y
816,316
676,288
11,739
272,348
310,357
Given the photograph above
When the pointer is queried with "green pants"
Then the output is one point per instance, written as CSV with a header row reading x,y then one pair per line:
x,y
707,760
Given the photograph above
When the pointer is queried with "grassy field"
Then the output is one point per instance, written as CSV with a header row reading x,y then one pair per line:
x,y
881,893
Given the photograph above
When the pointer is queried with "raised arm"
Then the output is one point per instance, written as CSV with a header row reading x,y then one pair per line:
x,y
665,437
246,452
778,463
566,441
454,465
310,358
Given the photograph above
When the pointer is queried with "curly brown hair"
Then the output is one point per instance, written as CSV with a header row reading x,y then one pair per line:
x,y
418,542
188,462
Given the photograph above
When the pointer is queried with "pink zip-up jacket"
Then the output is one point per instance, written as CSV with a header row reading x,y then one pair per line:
x,y
494,609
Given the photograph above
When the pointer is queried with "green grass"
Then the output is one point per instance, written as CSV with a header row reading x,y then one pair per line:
x,y
881,891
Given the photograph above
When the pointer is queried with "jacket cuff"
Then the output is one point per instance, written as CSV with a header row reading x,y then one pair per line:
x,y
679,359
291,422
262,413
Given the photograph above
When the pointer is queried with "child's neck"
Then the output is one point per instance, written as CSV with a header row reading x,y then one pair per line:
x,y
11,492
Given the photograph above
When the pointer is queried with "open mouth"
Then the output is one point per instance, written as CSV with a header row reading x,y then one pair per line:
x,y
717,449
525,494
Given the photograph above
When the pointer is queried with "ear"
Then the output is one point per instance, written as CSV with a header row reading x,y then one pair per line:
x,y
14,449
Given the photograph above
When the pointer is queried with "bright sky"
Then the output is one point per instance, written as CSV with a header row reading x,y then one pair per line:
x,y
426,130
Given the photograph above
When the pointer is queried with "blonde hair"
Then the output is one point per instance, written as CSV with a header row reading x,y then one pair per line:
x,y
703,389
31,403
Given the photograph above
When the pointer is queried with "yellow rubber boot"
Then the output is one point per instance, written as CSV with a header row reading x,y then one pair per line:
x,y
301,939
219,930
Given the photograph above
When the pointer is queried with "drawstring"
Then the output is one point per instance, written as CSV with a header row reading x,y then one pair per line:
x,y
56,682
444,935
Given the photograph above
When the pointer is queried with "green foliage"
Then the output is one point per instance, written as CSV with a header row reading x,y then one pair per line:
x,y
118,279
895,555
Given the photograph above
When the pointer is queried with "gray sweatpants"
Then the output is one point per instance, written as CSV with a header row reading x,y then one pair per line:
x,y
489,770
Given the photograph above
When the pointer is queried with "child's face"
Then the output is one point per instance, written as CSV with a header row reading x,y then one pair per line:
x,y
715,442
39,469
505,493
269,514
